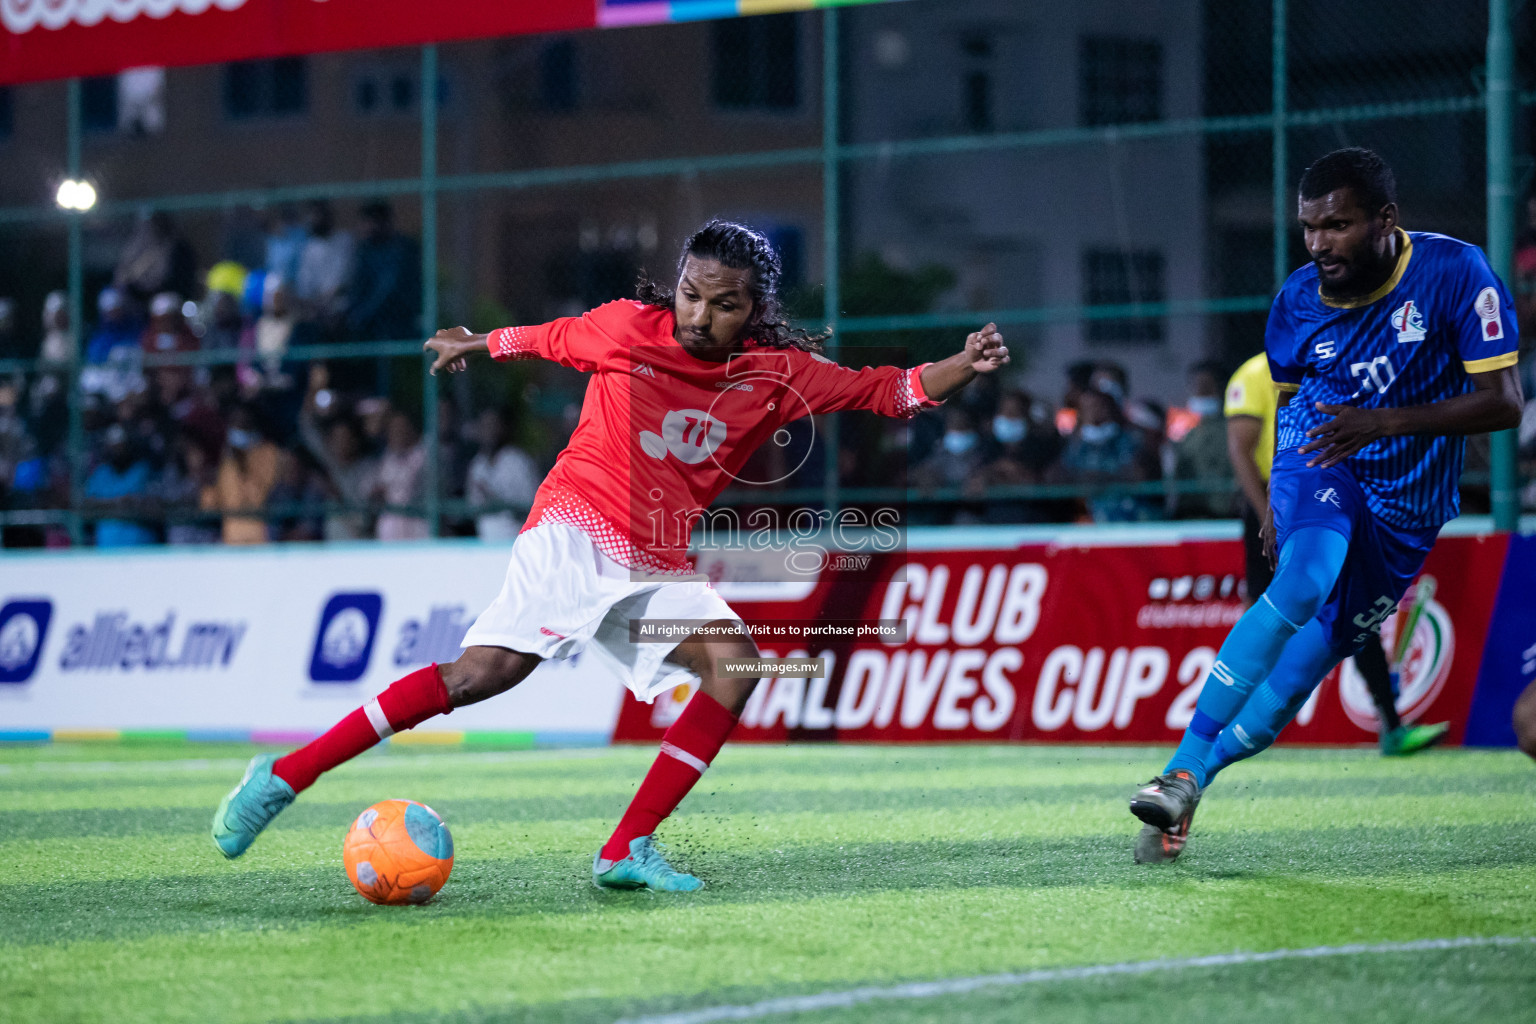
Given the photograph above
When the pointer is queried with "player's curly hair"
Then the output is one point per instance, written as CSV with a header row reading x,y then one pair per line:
x,y
1358,169
741,248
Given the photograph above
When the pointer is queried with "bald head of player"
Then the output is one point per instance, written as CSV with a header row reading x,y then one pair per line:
x,y
1347,206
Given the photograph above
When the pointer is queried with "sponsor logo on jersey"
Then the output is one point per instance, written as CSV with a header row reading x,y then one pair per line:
x,y
644,370
1487,306
24,15
1328,496
1408,321
1325,349
23,628
1422,674
726,385
690,435
344,639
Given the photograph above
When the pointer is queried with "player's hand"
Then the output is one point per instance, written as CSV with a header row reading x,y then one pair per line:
x,y
1347,432
453,347
1267,537
986,350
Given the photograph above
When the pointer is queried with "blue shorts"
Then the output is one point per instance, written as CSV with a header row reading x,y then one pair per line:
x,y
1382,559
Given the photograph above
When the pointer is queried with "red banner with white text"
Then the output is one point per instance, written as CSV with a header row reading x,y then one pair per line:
x,y
51,39
1077,644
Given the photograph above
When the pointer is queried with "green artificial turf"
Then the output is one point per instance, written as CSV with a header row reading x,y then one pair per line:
x,y
828,868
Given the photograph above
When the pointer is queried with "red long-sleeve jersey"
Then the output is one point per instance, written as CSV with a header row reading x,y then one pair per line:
x,y
663,432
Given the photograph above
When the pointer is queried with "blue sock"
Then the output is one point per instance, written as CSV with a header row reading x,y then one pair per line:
x,y
1309,566
1306,660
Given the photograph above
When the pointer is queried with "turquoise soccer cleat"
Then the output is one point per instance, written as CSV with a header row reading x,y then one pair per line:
x,y
250,806
644,868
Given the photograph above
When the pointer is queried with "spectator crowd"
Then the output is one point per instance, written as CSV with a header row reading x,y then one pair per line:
x,y
260,447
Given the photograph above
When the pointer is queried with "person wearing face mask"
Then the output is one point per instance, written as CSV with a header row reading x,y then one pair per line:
x,y
167,330
1199,435
957,461
1025,444
244,481
1102,450
120,483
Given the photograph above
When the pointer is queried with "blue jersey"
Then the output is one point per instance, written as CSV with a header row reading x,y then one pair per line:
x,y
1442,315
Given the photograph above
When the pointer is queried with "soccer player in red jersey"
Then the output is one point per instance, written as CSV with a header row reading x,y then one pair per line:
x,y
686,383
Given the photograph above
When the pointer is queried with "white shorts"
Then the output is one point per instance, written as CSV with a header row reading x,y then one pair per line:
x,y
563,597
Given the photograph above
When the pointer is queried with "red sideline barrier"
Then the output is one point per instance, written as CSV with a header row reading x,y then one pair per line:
x,y
1077,644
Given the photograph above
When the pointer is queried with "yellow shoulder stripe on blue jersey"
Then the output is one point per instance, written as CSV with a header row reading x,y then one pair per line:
x,y
1391,282
1492,362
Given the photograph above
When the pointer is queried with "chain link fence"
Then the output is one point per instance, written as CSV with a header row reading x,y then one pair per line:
x,y
273,238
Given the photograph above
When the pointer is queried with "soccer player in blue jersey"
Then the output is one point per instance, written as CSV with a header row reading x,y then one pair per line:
x,y
1388,348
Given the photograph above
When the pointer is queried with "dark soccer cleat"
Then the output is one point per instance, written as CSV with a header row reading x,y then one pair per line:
x,y
1410,739
1167,800
1160,846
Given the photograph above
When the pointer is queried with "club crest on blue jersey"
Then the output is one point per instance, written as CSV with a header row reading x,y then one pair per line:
x,y
1408,321
1487,306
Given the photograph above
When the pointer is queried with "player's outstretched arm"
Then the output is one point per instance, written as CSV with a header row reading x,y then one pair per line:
x,y
1494,403
453,346
984,352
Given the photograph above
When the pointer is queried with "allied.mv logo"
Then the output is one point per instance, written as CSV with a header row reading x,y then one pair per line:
x,y
344,641
23,628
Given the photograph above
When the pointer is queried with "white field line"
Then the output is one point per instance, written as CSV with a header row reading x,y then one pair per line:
x,y
960,986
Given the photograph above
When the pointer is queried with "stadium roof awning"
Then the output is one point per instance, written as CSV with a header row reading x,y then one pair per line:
x,y
51,39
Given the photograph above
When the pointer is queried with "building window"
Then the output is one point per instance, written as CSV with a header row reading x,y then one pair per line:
x,y
1119,277
978,101
266,88
131,103
559,76
757,63
976,91
385,93
1120,80
98,104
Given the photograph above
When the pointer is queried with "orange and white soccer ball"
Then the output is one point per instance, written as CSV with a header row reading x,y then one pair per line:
x,y
398,851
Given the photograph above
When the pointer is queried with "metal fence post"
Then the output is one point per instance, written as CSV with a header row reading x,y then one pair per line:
x,y
831,216
76,258
1279,149
429,100
1504,489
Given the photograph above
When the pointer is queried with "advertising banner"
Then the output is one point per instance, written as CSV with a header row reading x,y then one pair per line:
x,y
49,39
1509,656
52,39
1061,643
1071,641
284,639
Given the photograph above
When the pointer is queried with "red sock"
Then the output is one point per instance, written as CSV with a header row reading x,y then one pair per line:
x,y
404,705
686,750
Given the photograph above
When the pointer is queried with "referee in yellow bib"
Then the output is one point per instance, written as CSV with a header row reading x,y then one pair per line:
x,y
1250,409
